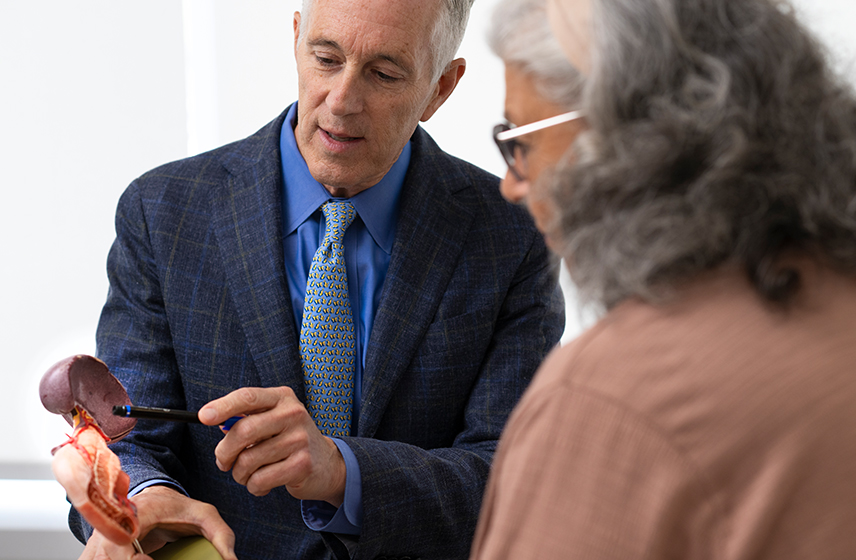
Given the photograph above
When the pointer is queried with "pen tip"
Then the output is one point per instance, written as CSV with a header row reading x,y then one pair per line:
x,y
120,410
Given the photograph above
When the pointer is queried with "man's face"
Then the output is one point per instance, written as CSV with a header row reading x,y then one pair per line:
x,y
365,82
541,149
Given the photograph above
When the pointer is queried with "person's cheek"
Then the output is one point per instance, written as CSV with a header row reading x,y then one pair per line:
x,y
543,209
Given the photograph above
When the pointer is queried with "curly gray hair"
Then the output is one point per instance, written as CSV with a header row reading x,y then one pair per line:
x,y
718,135
520,35
447,35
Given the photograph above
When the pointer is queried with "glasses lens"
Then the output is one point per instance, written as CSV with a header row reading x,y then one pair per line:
x,y
507,148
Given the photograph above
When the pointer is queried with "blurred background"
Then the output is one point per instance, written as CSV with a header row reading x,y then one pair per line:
x,y
96,92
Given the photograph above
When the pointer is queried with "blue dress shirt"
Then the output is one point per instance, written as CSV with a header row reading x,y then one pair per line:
x,y
368,247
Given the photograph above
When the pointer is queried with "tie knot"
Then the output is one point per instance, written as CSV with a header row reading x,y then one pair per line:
x,y
338,214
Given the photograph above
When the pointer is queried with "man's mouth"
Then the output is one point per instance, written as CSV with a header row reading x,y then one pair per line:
x,y
338,138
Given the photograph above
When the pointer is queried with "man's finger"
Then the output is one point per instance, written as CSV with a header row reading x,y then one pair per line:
x,y
99,548
88,551
245,400
247,433
267,452
221,536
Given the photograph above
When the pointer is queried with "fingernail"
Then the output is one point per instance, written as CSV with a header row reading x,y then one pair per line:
x,y
207,414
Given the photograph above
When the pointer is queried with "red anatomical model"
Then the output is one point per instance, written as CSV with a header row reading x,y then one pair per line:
x,y
83,391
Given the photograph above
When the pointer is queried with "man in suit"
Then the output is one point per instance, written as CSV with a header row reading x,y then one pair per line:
x,y
452,295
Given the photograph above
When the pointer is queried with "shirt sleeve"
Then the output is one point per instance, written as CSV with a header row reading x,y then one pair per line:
x,y
347,519
155,482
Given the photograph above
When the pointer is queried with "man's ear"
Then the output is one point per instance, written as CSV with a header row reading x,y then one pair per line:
x,y
296,31
445,86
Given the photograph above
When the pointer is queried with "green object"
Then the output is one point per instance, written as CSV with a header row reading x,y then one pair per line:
x,y
188,548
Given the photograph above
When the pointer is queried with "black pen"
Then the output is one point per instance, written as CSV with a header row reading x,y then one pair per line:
x,y
153,413
168,414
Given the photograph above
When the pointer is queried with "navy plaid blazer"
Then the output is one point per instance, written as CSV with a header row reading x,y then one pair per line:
x,y
198,307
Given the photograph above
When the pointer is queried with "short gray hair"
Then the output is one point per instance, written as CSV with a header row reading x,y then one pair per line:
x,y
719,135
449,33
446,37
520,35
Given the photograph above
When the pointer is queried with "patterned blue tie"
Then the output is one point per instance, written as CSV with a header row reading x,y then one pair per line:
x,y
327,333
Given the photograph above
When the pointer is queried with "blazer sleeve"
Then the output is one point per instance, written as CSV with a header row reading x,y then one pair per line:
x,y
132,330
425,502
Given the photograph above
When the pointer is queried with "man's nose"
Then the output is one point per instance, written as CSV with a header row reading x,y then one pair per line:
x,y
512,189
346,95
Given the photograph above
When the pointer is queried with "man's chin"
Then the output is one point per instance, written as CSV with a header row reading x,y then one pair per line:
x,y
343,185
344,178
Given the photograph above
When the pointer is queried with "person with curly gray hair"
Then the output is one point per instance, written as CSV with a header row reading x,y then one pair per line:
x,y
542,92
707,206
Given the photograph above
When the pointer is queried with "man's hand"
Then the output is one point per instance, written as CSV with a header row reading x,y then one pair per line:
x,y
277,444
165,516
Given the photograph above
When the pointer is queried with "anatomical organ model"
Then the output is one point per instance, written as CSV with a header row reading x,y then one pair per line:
x,y
83,391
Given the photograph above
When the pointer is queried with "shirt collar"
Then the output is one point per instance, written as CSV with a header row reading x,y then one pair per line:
x,y
377,206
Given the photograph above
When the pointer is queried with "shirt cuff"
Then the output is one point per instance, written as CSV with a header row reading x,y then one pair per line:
x,y
347,519
155,482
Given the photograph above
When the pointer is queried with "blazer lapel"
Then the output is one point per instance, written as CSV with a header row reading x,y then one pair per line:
x,y
248,225
432,227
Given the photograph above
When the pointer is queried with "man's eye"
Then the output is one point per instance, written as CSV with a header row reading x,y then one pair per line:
x,y
325,61
385,77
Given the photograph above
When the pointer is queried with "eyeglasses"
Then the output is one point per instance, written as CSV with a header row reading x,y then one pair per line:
x,y
505,135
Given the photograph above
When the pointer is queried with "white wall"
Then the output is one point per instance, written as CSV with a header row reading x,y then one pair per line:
x,y
96,92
